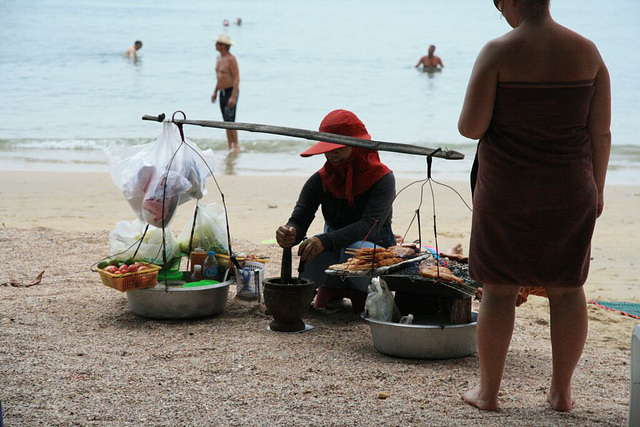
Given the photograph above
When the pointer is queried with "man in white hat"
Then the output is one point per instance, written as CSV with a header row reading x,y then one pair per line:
x,y
228,82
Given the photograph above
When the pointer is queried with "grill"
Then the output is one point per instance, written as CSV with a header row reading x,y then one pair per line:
x,y
408,280
430,300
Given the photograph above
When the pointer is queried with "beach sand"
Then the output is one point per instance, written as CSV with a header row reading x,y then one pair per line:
x,y
71,352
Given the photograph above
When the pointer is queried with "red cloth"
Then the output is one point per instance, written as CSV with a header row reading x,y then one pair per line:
x,y
338,179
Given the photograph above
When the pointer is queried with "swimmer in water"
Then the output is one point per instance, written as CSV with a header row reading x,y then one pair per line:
x,y
430,62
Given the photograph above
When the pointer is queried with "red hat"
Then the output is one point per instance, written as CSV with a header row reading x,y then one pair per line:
x,y
341,122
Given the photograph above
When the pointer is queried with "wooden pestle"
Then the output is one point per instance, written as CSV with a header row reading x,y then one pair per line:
x,y
285,267
300,270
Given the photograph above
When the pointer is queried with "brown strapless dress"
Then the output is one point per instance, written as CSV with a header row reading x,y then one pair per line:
x,y
535,199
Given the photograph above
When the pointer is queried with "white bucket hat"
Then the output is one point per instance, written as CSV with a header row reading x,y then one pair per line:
x,y
224,39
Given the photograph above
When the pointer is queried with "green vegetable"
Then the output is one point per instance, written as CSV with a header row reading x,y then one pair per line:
x,y
103,264
114,262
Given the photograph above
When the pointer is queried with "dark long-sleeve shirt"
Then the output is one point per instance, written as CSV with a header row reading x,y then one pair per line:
x,y
346,224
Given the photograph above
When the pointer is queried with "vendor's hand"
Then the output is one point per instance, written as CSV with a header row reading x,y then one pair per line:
x,y
286,236
232,102
213,97
309,248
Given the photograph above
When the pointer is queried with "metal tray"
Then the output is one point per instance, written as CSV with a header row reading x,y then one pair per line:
x,y
377,271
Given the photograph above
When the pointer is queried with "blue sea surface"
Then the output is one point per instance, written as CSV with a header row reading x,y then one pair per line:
x,y
68,91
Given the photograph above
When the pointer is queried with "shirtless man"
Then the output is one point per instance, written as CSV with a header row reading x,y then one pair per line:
x,y
132,50
228,81
430,62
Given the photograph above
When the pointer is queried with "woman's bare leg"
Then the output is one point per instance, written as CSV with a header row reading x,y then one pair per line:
x,y
494,330
569,324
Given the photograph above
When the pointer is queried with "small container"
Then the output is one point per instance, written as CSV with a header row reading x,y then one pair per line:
x,y
246,287
196,276
210,267
197,257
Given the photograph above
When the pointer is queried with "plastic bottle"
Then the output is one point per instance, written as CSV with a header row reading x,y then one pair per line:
x,y
196,276
210,267
197,257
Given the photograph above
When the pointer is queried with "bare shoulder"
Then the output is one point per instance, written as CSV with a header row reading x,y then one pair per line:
x,y
492,52
580,41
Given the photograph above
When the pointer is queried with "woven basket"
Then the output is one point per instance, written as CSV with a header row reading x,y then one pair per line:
x,y
129,281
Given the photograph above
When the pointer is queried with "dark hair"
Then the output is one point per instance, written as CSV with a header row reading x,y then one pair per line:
x,y
535,7
138,43
530,3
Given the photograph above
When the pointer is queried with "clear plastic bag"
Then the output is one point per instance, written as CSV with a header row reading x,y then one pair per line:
x,y
143,175
380,304
124,240
210,232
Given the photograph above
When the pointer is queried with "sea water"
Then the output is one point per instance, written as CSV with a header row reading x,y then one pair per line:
x,y
68,91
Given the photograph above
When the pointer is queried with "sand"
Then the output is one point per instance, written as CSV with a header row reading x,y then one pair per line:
x,y
71,352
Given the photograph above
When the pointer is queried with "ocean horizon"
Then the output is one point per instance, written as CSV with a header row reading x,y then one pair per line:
x,y
69,92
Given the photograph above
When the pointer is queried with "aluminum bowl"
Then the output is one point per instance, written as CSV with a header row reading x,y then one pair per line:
x,y
424,341
179,303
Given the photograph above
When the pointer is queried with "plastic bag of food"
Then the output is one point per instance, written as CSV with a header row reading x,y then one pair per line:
x,y
126,235
163,169
170,185
380,304
210,231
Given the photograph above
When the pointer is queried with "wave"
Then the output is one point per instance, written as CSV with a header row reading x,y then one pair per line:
x,y
274,145
260,156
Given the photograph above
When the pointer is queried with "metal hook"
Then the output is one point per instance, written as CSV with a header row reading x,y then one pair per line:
x,y
430,160
176,112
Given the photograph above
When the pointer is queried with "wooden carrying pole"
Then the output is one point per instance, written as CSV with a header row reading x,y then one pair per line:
x,y
319,136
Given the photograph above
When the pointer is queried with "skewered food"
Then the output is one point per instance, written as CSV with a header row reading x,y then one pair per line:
x,y
403,251
368,258
432,271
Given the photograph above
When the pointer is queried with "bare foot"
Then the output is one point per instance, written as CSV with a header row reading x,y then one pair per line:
x,y
472,397
457,249
560,403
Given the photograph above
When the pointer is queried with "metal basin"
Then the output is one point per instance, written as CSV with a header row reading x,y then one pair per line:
x,y
427,341
178,302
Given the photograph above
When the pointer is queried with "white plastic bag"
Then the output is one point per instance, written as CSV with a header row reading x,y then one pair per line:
x,y
145,173
210,231
124,240
380,304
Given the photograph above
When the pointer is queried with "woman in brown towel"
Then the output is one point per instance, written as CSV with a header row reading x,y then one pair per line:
x,y
539,101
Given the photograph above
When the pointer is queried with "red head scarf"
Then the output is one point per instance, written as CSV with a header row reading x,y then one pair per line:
x,y
357,173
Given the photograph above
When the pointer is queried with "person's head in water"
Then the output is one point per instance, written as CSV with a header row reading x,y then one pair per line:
x,y
432,49
137,45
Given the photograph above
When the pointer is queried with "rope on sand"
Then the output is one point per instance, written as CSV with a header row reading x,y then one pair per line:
x,y
630,309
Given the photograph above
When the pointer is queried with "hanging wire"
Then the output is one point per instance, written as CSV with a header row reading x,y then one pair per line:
x,y
183,142
224,205
164,242
193,229
430,181
455,191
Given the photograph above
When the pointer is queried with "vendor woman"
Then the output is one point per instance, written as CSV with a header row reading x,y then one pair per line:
x,y
356,192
